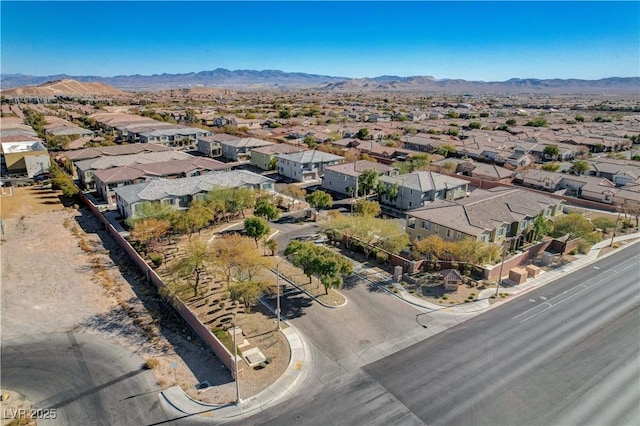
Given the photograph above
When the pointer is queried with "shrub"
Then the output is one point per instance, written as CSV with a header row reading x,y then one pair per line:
x,y
151,363
604,223
225,339
382,257
156,259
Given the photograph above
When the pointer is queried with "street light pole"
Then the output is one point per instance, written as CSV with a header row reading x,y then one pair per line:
x,y
278,293
235,361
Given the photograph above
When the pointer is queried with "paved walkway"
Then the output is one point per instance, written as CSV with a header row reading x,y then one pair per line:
x,y
174,398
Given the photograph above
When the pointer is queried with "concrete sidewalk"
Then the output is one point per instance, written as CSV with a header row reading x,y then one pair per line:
x,y
177,401
484,297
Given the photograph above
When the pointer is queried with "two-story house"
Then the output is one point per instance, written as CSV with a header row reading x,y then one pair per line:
x,y
265,157
109,179
419,188
240,149
306,165
179,193
343,178
487,216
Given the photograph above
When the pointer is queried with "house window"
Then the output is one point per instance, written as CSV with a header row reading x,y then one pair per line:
x,y
425,224
437,228
411,222
458,235
547,212
449,233
500,231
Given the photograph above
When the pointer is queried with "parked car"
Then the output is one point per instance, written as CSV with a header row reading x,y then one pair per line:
x,y
42,177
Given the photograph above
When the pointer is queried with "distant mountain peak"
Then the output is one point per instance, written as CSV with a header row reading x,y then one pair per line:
x,y
254,79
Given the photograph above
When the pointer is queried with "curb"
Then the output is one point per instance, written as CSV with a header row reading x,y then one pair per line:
x,y
297,370
321,303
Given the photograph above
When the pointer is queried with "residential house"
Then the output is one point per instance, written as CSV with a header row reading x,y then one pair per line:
x,y
419,188
620,172
265,157
343,178
26,157
488,216
107,180
249,123
240,149
306,165
85,169
69,158
179,193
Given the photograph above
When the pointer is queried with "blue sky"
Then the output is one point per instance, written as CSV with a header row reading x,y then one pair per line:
x,y
490,41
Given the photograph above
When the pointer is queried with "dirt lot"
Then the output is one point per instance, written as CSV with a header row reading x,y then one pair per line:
x,y
61,271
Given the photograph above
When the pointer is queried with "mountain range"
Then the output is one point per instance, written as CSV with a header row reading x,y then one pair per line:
x,y
275,80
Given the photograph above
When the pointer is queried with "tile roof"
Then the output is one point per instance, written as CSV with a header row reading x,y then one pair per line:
x,y
158,189
485,209
127,160
279,148
356,168
163,168
135,148
310,156
425,181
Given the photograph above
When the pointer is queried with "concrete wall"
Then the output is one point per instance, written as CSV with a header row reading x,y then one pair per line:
x,y
189,316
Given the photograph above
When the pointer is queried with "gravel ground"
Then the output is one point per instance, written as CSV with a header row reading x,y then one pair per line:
x,y
61,272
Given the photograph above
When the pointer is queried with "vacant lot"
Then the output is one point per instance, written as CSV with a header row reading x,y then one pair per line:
x,y
61,272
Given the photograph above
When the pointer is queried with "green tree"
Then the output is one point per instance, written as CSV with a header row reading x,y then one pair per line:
x,y
362,133
149,231
367,208
319,200
294,191
371,232
511,122
475,125
194,219
61,180
579,167
551,152
256,228
310,141
272,245
248,293
326,264
266,208
537,122
193,265
235,258
604,223
367,182
572,226
445,150
541,226
449,166
285,113
152,210
550,167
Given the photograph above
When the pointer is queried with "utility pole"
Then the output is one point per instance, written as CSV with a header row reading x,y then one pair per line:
x,y
615,227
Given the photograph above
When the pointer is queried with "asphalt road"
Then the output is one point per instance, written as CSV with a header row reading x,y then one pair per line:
x,y
567,353
87,380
